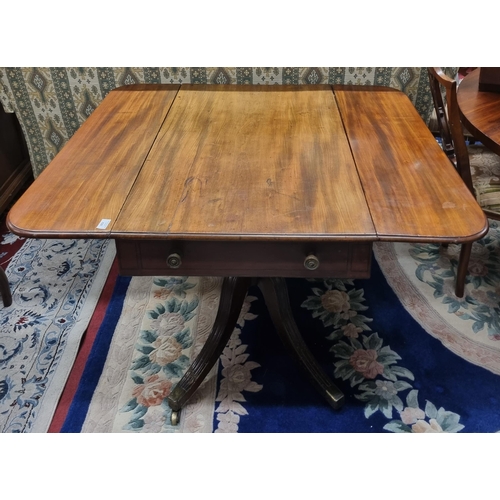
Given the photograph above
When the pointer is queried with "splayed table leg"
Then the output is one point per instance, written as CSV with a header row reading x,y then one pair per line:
x,y
233,294
276,297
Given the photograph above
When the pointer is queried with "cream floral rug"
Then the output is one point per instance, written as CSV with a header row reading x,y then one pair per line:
x,y
164,324
423,277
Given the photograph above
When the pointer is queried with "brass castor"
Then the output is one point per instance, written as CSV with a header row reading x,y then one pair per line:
x,y
175,417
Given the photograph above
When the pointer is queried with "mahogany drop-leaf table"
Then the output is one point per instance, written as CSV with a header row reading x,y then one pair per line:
x,y
250,183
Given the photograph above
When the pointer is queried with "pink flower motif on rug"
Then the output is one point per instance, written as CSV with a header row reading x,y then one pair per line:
x,y
153,391
168,323
411,415
167,350
425,427
365,362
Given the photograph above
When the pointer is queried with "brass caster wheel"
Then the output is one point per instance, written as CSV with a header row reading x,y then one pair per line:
x,y
175,417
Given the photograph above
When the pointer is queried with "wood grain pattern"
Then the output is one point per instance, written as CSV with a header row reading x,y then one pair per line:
x,y
480,111
247,163
412,190
251,163
92,175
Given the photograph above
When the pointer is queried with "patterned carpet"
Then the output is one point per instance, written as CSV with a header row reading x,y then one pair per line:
x,y
408,354
423,279
388,359
55,287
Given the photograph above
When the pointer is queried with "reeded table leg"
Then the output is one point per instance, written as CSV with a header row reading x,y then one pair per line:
x,y
276,296
233,294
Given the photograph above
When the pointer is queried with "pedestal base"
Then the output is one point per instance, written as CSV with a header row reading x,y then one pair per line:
x,y
233,294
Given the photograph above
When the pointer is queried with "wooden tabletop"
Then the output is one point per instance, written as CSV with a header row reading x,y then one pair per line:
x,y
251,163
480,111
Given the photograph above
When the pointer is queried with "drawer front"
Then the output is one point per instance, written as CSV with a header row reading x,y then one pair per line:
x,y
259,259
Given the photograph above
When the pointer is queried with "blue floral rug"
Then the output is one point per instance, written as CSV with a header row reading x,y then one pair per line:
x,y
55,286
408,354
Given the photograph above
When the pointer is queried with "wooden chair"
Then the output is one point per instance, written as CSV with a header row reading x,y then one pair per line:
x,y
478,167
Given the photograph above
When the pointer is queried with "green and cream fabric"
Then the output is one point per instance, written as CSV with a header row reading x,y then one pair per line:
x,y
485,170
52,103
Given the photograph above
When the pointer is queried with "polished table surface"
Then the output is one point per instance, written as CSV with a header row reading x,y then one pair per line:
x,y
246,163
250,183
480,111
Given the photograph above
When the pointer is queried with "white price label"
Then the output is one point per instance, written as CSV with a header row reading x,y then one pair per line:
x,y
103,224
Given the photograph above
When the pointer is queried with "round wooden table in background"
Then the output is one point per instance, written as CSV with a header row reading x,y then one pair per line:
x,y
480,111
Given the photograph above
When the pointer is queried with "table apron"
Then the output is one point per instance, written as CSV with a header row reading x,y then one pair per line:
x,y
260,259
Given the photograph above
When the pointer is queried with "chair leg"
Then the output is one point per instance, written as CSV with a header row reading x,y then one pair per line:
x,y
463,264
5,289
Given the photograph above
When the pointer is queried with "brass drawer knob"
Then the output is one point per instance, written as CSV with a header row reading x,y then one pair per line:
x,y
311,262
174,261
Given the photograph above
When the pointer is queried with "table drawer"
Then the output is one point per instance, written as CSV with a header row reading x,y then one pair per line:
x,y
282,259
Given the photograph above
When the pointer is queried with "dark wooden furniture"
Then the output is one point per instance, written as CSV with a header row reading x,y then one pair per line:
x,y
480,111
452,133
15,174
454,145
251,183
489,79
15,166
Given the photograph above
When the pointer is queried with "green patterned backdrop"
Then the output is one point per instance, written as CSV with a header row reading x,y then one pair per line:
x,y
52,103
